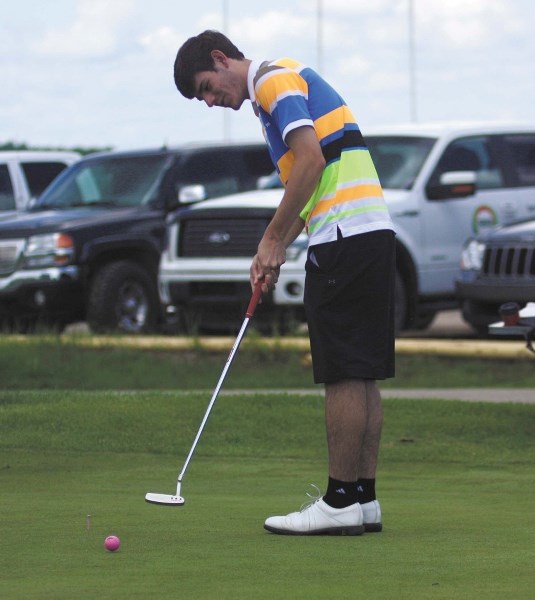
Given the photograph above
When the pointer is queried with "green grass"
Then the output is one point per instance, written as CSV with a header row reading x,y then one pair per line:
x,y
456,486
51,362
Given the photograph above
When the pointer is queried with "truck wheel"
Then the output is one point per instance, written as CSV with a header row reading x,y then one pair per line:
x,y
401,309
122,298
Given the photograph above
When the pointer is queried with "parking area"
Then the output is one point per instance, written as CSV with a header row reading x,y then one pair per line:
x,y
447,324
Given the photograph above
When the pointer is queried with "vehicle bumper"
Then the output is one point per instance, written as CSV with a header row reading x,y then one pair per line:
x,y
217,301
54,290
35,277
496,291
481,298
232,287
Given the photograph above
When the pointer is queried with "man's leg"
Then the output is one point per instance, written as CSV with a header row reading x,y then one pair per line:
x,y
354,419
369,451
353,416
338,512
367,463
346,419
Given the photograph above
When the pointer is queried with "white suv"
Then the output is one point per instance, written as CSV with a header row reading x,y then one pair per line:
x,y
24,175
443,184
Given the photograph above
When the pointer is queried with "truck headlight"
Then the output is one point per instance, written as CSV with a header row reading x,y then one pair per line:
x,y
472,255
48,250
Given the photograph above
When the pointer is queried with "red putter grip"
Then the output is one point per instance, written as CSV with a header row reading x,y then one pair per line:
x,y
257,293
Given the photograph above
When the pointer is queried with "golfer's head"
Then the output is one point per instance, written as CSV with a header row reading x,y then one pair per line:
x,y
195,56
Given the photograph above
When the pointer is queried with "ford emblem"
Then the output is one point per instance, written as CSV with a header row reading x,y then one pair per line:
x,y
219,238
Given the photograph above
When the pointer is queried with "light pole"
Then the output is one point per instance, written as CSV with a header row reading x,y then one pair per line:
x,y
226,113
412,65
319,37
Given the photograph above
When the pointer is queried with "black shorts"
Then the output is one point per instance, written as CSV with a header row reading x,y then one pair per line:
x,y
349,303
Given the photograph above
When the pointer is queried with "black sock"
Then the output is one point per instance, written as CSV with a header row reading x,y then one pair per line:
x,y
340,493
366,490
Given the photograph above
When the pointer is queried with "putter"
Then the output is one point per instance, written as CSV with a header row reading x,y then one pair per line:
x,y
177,499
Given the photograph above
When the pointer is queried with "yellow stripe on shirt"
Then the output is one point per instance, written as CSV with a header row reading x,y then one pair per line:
x,y
333,121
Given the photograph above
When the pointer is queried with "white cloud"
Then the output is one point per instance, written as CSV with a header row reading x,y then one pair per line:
x,y
473,57
388,82
353,66
273,27
362,7
163,42
94,32
466,23
211,20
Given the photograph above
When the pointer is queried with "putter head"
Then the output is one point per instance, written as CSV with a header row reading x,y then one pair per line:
x,y
164,499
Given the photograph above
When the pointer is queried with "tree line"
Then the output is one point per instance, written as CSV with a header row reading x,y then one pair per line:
x,y
12,146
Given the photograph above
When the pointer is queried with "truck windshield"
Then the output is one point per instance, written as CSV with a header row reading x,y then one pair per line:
x,y
110,181
398,159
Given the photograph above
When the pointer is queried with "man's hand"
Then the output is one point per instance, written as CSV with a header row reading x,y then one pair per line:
x,y
267,263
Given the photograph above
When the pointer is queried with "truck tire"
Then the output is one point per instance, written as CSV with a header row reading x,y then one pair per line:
x,y
123,298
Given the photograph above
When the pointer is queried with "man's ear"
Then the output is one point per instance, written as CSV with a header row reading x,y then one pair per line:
x,y
219,58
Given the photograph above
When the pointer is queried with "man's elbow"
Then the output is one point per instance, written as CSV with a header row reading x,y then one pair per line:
x,y
318,164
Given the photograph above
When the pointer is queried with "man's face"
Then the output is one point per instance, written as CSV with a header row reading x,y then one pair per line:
x,y
222,87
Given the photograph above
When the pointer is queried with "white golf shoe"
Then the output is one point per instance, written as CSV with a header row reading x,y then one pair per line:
x,y
371,512
318,518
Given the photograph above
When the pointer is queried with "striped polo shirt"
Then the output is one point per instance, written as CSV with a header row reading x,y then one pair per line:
x,y
348,197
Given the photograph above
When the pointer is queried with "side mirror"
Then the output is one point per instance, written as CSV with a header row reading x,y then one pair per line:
x,y
453,184
192,193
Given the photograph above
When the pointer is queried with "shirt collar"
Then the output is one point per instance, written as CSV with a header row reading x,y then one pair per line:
x,y
253,68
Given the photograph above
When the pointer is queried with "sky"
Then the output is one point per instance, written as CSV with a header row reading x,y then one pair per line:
x,y
98,73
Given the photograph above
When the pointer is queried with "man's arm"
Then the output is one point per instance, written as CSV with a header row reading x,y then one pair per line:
x,y
286,224
295,230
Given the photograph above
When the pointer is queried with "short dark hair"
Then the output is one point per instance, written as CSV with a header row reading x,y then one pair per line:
x,y
194,56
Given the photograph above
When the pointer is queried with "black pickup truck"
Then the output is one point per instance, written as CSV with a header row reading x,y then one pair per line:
x,y
89,249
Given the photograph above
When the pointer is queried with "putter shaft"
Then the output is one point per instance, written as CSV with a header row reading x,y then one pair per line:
x,y
178,500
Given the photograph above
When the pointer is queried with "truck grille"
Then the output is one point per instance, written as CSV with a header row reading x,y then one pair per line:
x,y
221,238
514,261
9,255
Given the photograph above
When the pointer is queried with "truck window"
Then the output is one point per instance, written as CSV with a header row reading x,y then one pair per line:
x,y
471,154
257,163
40,174
521,149
7,197
398,159
117,181
216,170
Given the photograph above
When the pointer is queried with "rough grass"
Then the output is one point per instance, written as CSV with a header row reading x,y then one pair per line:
x,y
48,362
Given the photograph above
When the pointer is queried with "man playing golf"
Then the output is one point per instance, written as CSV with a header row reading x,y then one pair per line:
x,y
331,188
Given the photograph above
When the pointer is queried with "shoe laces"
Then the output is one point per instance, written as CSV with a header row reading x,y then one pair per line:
x,y
313,497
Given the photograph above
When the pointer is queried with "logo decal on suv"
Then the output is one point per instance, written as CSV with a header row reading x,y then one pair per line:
x,y
219,238
484,218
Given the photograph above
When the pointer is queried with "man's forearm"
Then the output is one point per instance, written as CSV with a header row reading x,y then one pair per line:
x,y
307,169
295,230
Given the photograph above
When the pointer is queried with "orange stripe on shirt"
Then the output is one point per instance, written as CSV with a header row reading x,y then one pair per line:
x,y
285,164
333,121
289,63
355,192
274,86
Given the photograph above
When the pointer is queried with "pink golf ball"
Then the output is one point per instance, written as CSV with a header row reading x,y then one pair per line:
x,y
112,543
